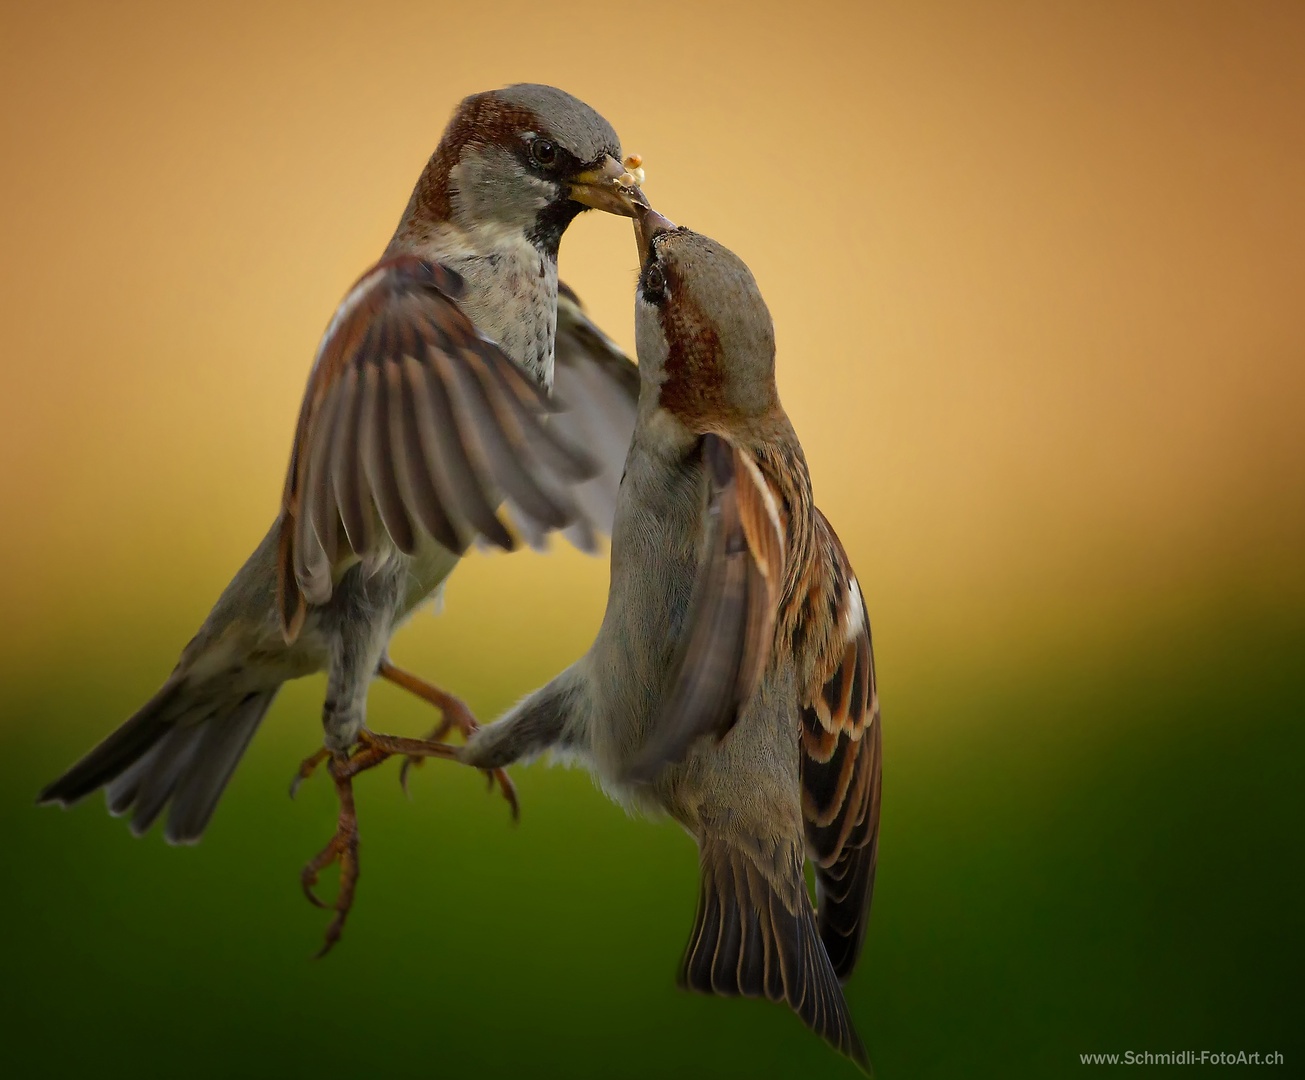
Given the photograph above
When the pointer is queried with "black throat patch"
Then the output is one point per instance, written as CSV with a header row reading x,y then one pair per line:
x,y
550,224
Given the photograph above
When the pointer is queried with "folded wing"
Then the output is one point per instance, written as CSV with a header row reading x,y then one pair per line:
x,y
841,752
731,620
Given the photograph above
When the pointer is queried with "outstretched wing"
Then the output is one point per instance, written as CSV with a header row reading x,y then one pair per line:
x,y
412,422
841,752
731,620
598,387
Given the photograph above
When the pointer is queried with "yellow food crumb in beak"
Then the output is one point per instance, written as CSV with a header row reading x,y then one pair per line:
x,y
633,175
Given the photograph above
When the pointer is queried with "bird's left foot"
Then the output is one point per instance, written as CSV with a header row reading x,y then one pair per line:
x,y
343,766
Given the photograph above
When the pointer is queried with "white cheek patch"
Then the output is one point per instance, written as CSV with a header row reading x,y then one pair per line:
x,y
650,341
489,190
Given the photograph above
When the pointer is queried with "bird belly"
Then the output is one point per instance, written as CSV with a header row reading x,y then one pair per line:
x,y
748,781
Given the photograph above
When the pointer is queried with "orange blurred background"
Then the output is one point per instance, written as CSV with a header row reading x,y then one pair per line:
x,y
1037,272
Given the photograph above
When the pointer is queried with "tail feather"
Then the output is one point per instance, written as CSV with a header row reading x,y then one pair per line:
x,y
223,745
181,747
172,757
749,939
118,752
120,793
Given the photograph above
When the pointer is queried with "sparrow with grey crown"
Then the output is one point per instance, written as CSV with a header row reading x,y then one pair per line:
x,y
427,406
732,682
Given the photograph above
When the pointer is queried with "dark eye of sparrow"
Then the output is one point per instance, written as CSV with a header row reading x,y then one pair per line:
x,y
544,152
654,283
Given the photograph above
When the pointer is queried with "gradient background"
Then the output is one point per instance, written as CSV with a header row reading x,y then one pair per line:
x,y
1038,272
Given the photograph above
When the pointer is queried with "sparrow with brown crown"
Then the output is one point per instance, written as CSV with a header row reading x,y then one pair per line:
x,y
427,406
732,683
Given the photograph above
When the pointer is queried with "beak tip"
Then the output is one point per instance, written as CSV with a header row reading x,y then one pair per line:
x,y
648,224
601,188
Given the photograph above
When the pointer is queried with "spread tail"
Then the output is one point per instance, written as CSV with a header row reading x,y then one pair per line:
x,y
181,747
749,939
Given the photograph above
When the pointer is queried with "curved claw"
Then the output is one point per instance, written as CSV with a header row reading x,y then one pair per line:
x,y
306,769
408,762
332,936
491,775
436,734
318,863
509,790
308,881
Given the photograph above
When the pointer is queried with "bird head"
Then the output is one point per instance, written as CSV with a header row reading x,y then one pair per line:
x,y
705,337
524,160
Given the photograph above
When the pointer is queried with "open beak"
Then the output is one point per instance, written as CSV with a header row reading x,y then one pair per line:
x,y
648,224
600,187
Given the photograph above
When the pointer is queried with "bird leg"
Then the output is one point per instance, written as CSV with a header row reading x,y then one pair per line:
x,y
369,750
455,714
343,766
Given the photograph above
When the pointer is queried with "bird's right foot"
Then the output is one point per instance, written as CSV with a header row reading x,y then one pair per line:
x,y
455,714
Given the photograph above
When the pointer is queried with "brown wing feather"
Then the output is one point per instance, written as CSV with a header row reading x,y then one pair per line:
x,y
730,626
841,753
412,423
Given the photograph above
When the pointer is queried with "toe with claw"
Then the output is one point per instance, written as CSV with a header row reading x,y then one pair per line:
x,y
306,769
343,846
455,714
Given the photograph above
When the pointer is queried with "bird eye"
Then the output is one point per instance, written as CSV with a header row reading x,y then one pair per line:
x,y
544,152
654,282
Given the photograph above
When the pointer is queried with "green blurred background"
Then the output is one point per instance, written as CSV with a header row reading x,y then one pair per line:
x,y
1037,275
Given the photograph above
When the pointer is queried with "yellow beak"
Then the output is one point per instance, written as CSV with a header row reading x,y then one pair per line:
x,y
600,187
